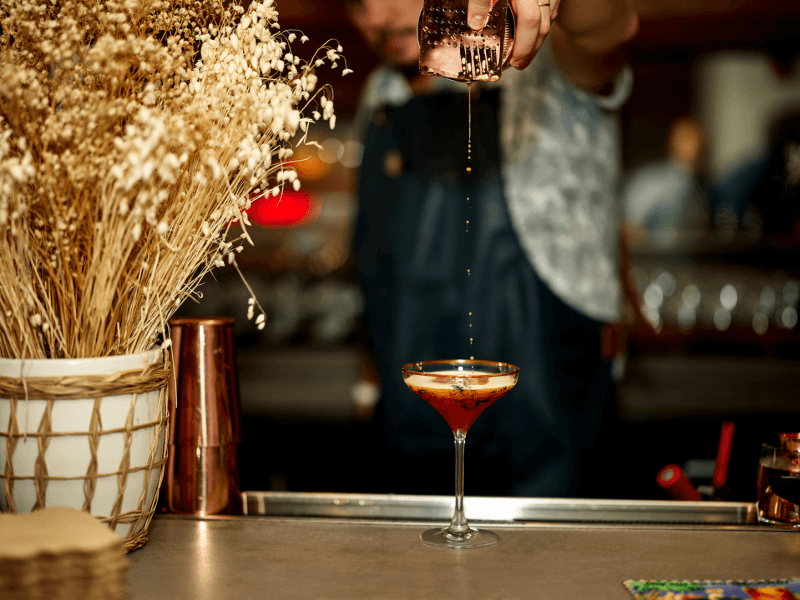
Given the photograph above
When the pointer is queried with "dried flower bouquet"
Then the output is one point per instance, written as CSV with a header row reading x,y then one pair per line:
x,y
133,135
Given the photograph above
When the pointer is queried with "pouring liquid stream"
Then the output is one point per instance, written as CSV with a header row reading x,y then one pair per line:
x,y
469,206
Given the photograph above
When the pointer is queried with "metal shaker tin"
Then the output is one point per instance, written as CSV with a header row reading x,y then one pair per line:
x,y
202,474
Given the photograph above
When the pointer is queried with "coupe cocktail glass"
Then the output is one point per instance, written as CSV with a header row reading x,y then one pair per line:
x,y
460,390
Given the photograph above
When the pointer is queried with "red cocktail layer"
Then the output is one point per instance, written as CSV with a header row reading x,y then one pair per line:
x,y
460,407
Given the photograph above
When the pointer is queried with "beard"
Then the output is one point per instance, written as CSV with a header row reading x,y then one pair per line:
x,y
397,47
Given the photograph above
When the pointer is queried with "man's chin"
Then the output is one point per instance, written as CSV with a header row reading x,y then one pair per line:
x,y
401,52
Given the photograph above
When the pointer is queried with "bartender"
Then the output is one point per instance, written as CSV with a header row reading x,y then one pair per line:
x,y
535,269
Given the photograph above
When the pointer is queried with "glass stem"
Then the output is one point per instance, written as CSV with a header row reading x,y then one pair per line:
x,y
459,525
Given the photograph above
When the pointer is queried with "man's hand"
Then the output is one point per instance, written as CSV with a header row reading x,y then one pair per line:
x,y
532,25
589,40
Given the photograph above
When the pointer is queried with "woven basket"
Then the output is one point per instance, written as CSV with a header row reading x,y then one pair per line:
x,y
86,433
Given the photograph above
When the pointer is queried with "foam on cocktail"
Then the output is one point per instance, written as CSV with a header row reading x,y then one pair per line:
x,y
466,379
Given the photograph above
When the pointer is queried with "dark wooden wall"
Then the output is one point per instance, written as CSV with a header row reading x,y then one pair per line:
x,y
672,32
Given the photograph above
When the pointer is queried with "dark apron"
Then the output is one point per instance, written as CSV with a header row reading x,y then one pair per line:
x,y
412,252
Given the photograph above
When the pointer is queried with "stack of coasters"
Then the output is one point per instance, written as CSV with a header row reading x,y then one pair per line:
x,y
60,553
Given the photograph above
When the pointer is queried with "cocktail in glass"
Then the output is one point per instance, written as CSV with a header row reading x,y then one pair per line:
x,y
460,390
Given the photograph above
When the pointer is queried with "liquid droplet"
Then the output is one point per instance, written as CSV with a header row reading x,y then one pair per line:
x,y
469,169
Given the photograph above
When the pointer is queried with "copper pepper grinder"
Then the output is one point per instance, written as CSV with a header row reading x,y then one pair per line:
x,y
778,486
205,419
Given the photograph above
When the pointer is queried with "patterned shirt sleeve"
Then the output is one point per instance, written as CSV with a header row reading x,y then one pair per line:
x,y
561,167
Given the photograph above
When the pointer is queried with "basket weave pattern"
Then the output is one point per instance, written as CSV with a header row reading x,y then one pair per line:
x,y
53,391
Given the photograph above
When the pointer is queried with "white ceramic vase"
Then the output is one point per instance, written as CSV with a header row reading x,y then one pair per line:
x,y
129,441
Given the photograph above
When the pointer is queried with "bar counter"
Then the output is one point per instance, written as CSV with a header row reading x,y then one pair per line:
x,y
349,547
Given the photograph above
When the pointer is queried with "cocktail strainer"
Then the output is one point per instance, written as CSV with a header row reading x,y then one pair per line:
x,y
450,48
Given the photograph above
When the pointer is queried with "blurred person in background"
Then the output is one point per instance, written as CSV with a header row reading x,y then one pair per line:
x,y
766,188
539,236
671,194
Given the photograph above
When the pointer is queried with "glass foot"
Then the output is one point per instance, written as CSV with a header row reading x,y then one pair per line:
x,y
767,521
474,538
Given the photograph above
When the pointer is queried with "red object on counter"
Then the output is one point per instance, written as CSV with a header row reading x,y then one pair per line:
x,y
674,480
720,477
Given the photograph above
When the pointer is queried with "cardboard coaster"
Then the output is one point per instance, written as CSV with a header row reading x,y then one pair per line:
x,y
60,553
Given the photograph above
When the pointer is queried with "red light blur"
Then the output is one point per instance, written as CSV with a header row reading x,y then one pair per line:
x,y
289,209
